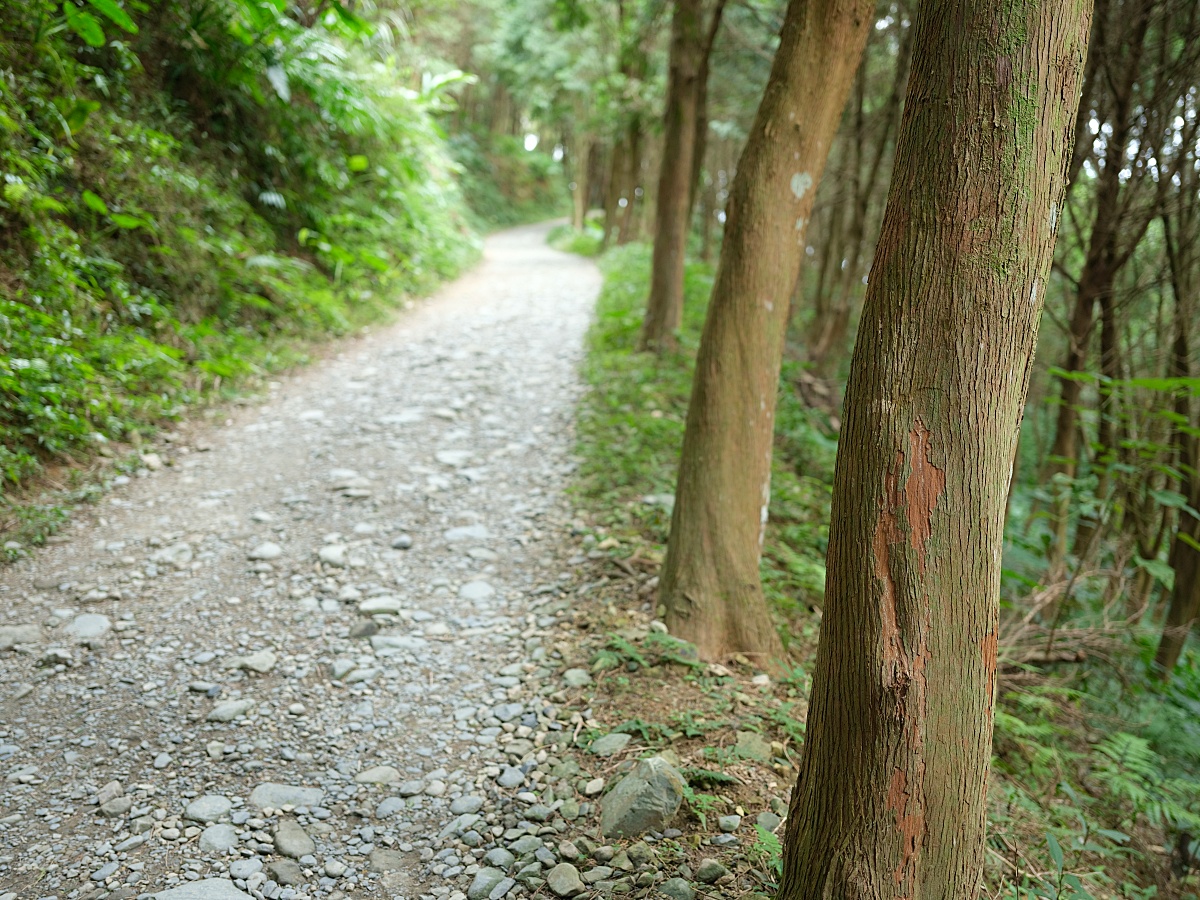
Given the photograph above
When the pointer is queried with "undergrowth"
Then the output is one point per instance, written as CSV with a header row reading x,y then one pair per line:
x,y
1095,787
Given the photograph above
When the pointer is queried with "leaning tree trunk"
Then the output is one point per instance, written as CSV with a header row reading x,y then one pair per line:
x,y
664,309
891,798
710,581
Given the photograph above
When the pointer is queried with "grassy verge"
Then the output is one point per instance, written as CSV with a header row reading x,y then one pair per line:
x,y
589,242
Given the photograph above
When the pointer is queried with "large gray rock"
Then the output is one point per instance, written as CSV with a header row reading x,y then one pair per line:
x,y
564,880
218,839
486,880
677,889
276,796
11,635
229,710
88,627
646,799
292,840
262,662
209,808
206,889
610,744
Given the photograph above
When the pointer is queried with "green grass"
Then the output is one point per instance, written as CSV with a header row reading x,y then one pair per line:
x,y
631,427
589,242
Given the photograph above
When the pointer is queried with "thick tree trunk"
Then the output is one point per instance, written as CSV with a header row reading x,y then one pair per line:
x,y
891,798
664,309
710,580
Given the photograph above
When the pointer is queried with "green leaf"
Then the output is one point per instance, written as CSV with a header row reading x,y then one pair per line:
x,y
95,203
1188,540
84,24
1056,852
76,117
1158,569
128,222
115,14
358,163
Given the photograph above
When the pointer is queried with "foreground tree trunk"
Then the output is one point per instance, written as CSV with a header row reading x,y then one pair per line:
x,y
710,581
664,309
891,798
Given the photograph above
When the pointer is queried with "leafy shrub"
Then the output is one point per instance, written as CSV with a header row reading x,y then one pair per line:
x,y
187,187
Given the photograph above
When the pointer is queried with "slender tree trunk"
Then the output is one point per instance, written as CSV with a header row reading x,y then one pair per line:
x,y
664,309
1184,607
828,349
701,142
710,580
628,231
891,798
1104,259
579,194
612,196
1108,429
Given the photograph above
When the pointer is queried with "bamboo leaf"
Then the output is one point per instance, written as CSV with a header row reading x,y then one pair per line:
x,y
1055,849
84,24
114,13
95,203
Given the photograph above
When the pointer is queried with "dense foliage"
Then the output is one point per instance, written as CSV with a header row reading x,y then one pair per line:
x,y
186,183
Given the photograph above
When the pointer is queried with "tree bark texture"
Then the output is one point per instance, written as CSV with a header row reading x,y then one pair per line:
x,y
664,309
891,797
710,581
1184,607
628,230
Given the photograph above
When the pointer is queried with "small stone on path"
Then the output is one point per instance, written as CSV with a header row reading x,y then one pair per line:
x,y
205,889
271,795
229,710
265,552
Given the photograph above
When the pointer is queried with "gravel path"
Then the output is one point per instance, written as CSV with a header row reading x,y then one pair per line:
x,y
278,668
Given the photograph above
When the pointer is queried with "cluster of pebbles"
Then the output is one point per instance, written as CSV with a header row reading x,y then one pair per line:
x,y
324,658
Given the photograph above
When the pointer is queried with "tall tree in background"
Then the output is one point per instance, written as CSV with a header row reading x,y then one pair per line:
x,y
710,582
1144,61
891,798
1182,239
691,45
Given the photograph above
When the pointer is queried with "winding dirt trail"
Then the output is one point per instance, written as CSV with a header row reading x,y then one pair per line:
x,y
237,678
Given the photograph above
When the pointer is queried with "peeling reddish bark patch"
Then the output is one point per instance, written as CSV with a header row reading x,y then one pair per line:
x,y
911,491
925,486
887,532
988,647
